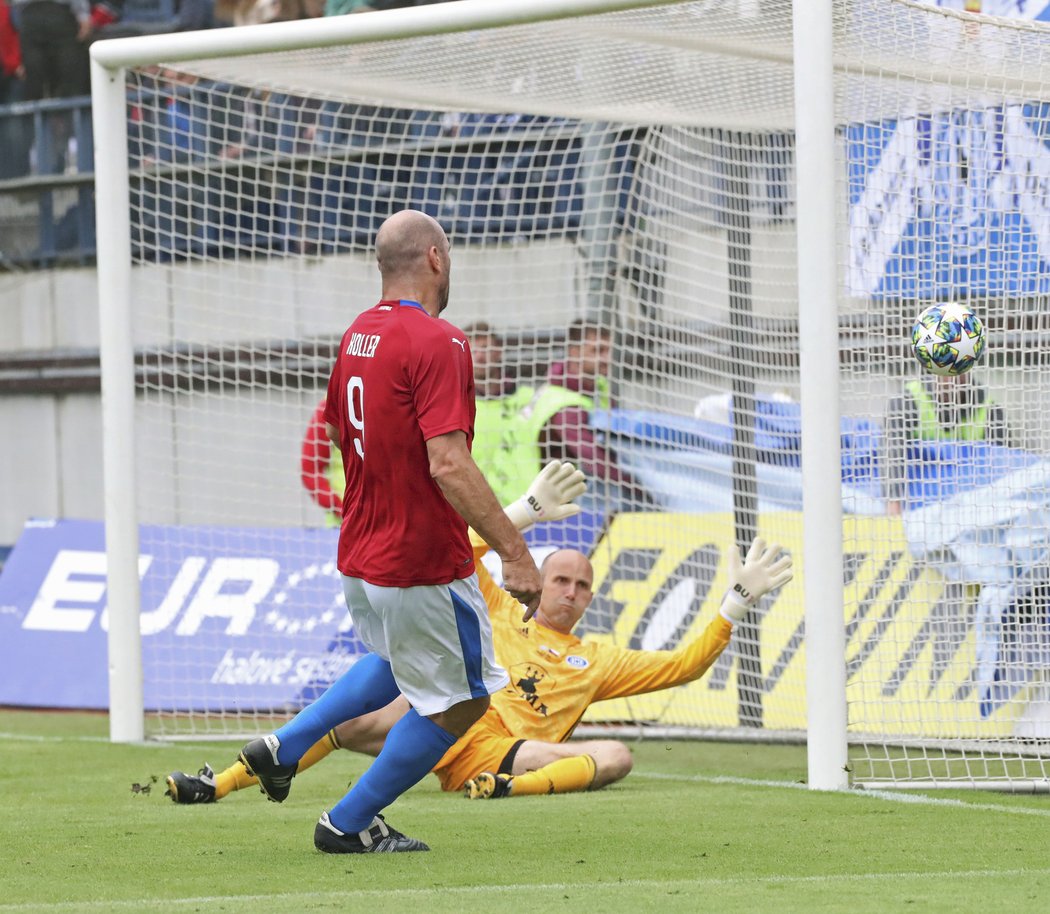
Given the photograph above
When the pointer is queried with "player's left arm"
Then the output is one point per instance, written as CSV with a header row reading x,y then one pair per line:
x,y
636,672
439,378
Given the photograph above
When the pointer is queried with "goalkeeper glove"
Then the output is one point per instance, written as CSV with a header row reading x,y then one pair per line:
x,y
549,496
751,580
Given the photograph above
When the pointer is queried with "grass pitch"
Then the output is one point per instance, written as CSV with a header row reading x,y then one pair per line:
x,y
697,826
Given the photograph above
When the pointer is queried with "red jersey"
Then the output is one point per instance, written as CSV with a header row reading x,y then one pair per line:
x,y
401,378
10,47
315,466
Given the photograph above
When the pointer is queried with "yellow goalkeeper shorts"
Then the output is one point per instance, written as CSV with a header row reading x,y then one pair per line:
x,y
482,748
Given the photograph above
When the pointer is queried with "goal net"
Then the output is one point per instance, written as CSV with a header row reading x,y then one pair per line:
x,y
620,194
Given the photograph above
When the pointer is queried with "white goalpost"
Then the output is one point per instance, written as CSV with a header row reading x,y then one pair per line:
x,y
752,199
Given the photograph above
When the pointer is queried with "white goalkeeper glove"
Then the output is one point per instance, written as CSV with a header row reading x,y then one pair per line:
x,y
549,496
751,580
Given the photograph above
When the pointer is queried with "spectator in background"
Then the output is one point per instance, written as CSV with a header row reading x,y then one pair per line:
x,y
54,36
11,69
256,12
190,118
518,430
301,9
14,137
189,16
576,386
932,409
321,468
194,15
497,424
490,378
342,7
183,120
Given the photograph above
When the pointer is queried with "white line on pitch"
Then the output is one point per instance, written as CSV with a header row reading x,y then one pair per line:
x,y
888,795
747,881
147,744
39,738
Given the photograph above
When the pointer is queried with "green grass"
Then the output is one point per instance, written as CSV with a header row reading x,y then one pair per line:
x,y
670,838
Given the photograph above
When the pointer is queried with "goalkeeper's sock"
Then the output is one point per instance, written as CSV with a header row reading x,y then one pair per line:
x,y
566,775
235,777
367,686
319,750
413,747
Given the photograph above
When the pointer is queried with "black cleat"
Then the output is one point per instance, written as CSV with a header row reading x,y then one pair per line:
x,y
488,786
260,758
378,838
190,788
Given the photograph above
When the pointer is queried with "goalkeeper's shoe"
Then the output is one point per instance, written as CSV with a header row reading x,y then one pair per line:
x,y
378,838
260,758
192,788
488,786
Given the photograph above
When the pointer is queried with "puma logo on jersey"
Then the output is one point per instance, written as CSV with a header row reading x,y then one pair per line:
x,y
461,343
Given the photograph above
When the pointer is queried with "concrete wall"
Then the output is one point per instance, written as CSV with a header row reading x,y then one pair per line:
x,y
241,450
206,458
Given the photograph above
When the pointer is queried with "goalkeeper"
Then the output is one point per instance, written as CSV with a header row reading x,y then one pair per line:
x,y
519,746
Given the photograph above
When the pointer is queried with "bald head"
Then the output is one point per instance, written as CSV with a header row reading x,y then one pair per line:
x,y
567,581
413,254
559,558
404,241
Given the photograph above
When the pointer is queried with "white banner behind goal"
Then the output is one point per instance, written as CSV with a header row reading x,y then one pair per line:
x,y
630,176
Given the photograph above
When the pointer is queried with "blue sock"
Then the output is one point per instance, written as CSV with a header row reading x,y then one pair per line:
x,y
413,746
367,686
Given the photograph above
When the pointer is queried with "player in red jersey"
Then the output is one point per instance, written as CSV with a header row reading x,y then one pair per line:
x,y
400,406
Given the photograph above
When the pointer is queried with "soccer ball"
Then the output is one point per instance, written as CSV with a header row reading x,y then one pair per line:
x,y
948,338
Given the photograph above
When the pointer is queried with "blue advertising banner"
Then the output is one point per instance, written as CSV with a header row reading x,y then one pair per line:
x,y
951,203
232,617
254,611
1010,9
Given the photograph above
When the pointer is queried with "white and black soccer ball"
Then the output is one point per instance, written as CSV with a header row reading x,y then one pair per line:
x,y
948,338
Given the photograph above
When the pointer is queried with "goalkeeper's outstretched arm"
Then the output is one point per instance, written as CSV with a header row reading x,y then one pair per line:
x,y
636,672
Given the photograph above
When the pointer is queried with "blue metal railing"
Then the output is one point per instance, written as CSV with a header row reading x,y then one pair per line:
x,y
327,197
47,181
220,171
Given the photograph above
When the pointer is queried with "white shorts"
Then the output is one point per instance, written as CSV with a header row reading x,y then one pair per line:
x,y
437,638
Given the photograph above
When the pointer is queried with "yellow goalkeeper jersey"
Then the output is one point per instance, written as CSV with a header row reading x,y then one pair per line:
x,y
554,677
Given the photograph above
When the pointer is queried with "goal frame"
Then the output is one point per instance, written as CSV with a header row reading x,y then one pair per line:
x,y
815,152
